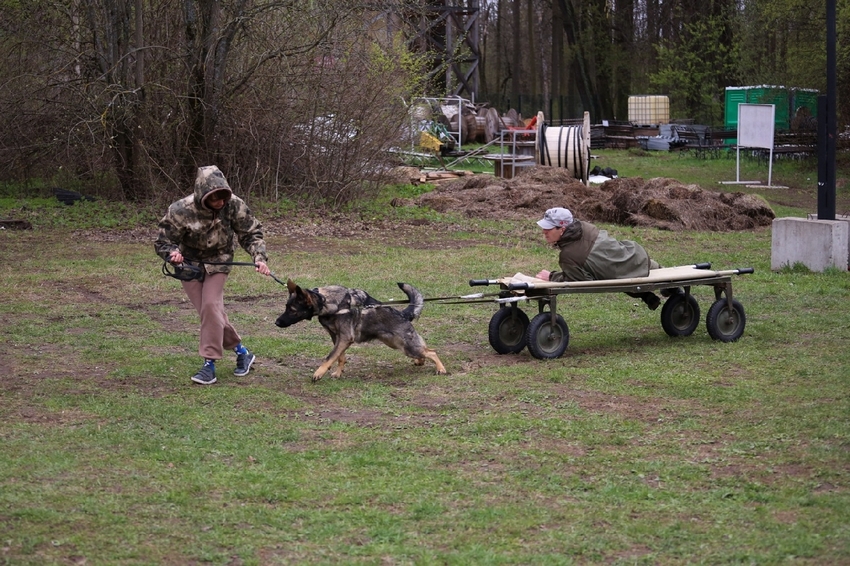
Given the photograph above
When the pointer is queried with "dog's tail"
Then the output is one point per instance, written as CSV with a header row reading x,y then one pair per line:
x,y
413,310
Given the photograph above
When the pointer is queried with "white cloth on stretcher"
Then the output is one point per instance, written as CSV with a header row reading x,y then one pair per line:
x,y
665,274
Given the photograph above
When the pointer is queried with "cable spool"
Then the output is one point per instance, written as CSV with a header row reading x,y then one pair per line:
x,y
565,147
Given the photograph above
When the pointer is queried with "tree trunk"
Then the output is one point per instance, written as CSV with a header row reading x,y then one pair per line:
x,y
557,60
584,83
208,42
517,53
530,55
110,24
623,48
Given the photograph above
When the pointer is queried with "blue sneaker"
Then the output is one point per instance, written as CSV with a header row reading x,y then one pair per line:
x,y
205,376
243,363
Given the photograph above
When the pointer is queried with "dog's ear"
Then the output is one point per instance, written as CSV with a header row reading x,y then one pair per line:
x,y
309,297
296,290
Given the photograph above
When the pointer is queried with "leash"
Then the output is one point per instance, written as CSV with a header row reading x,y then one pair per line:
x,y
251,263
188,272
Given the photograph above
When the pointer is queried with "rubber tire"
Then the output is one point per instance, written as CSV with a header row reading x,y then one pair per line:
x,y
680,315
544,341
724,325
508,334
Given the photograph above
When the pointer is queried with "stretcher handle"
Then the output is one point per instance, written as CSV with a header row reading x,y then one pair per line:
x,y
705,265
746,270
476,282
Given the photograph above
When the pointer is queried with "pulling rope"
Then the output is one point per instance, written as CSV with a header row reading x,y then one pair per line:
x,y
453,300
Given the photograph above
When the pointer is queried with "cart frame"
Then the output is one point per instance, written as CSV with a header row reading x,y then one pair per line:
x,y
547,334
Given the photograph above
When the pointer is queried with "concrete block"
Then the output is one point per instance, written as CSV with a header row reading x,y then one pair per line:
x,y
817,244
841,217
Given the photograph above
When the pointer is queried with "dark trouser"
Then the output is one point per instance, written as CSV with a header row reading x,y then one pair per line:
x,y
217,334
649,297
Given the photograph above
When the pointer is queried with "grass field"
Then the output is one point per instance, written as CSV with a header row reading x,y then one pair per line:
x,y
632,448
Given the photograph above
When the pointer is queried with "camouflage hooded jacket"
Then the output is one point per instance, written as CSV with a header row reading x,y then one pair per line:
x,y
203,234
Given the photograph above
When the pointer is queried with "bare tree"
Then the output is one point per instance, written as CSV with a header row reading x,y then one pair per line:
x,y
516,49
286,96
303,97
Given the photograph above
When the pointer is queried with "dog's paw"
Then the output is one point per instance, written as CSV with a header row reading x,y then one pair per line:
x,y
336,374
442,372
317,376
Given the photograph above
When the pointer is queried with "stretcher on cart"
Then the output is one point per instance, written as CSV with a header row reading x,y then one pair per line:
x,y
547,334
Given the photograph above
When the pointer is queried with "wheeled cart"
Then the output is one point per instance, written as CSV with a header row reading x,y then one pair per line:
x,y
547,334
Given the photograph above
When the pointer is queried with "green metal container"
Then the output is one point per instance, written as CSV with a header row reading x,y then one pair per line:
x,y
788,103
735,95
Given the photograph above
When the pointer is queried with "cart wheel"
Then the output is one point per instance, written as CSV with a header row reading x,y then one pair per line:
x,y
546,341
680,315
724,324
506,331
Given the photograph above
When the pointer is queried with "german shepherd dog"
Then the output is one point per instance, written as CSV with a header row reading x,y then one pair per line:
x,y
353,316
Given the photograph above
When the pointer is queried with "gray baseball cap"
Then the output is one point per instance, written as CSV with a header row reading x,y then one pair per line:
x,y
556,218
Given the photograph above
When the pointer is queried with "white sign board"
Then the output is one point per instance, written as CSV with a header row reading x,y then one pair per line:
x,y
755,125
755,131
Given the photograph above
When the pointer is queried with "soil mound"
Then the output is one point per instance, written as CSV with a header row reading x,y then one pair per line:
x,y
661,203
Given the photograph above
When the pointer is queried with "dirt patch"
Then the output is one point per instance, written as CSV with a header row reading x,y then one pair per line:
x,y
658,203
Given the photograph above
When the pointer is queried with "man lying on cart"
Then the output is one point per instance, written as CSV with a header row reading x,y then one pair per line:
x,y
591,254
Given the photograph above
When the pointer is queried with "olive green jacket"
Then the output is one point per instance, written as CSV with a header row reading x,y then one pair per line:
x,y
590,254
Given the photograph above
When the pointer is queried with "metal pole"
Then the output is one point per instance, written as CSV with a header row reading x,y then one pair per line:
x,y
829,123
826,200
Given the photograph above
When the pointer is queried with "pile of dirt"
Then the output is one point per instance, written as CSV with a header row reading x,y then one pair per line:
x,y
661,203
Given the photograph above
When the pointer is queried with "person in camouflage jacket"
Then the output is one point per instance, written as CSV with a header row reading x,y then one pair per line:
x,y
202,230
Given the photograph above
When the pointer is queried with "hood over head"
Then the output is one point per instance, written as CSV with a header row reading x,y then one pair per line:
x,y
210,180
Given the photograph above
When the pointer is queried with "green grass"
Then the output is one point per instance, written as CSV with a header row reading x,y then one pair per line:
x,y
633,448
709,173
